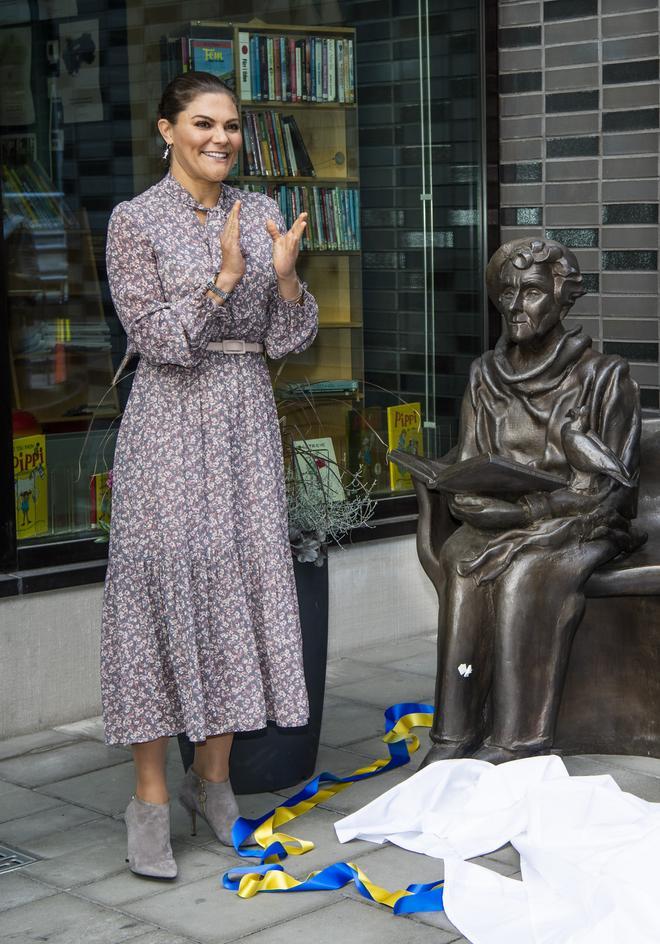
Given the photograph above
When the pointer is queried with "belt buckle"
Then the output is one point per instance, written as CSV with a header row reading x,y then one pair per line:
x,y
233,347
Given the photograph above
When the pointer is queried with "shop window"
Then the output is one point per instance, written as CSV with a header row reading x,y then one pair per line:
x,y
381,144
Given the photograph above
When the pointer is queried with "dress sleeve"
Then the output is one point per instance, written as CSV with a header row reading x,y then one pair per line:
x,y
291,328
163,332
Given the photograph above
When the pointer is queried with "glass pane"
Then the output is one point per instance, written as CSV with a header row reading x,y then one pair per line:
x,y
365,117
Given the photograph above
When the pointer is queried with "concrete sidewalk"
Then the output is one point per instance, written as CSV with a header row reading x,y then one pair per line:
x,y
63,793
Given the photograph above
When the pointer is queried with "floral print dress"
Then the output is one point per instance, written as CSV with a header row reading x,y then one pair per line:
x,y
200,617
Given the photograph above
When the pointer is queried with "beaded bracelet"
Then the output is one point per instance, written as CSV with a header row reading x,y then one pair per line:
x,y
296,300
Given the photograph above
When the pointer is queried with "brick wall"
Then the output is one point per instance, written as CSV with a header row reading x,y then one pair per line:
x,y
579,99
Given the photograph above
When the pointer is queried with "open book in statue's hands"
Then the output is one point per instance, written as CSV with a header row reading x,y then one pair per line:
x,y
487,474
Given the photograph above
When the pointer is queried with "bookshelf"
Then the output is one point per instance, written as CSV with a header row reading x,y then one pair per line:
x,y
303,77
60,343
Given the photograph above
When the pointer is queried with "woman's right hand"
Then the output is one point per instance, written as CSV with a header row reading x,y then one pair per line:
x,y
232,268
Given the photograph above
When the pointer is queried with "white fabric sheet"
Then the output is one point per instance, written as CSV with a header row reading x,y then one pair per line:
x,y
590,853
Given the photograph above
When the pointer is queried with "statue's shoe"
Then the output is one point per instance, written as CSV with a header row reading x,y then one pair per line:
x,y
448,750
495,754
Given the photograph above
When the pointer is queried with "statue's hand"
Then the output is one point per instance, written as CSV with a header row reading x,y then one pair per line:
x,y
481,511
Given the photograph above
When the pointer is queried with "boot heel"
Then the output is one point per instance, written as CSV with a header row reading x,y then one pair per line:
x,y
193,822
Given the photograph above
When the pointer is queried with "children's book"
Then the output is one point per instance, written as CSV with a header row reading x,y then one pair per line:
x,y
404,433
215,56
30,486
99,501
316,464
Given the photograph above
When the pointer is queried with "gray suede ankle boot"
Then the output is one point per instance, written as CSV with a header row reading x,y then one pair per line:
x,y
149,850
215,802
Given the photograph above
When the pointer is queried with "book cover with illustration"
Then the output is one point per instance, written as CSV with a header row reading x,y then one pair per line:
x,y
215,56
367,450
316,463
99,500
30,486
405,433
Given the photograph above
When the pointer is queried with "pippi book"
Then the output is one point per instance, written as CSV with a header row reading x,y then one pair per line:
x,y
404,432
30,486
99,500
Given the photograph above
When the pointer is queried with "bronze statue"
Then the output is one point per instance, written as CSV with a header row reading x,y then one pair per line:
x,y
510,578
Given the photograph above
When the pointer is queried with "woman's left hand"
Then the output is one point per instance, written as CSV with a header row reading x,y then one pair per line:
x,y
286,247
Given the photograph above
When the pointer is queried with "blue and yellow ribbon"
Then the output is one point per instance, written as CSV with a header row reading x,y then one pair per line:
x,y
274,845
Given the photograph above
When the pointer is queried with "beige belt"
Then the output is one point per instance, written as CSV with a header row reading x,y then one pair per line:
x,y
235,347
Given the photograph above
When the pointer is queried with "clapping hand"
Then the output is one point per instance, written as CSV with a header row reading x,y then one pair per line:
x,y
233,263
286,247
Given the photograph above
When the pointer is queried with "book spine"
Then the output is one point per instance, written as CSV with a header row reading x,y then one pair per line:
x,y
263,67
332,73
351,72
270,159
299,72
293,82
312,69
271,69
244,67
277,68
325,70
290,148
256,138
284,71
340,71
302,154
254,61
278,165
308,67
281,146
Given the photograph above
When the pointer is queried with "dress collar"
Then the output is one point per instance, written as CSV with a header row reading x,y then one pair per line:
x,y
179,193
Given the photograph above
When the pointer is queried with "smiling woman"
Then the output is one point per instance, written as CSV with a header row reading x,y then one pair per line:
x,y
201,631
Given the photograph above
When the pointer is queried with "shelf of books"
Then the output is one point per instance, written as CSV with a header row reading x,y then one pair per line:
x,y
298,104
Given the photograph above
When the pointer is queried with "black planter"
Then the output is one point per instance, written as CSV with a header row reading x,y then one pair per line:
x,y
275,758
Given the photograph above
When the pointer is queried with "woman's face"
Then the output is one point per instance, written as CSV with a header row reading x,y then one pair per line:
x,y
206,139
527,302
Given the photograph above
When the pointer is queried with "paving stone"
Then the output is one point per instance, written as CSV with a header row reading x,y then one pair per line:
x,y
352,921
63,841
107,791
346,721
64,919
91,728
33,770
21,802
6,787
394,868
359,794
161,937
82,866
389,689
25,743
648,788
206,912
396,653
18,889
650,766
124,887
341,671
375,748
25,830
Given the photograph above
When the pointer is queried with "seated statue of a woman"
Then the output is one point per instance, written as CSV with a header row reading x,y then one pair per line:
x,y
512,575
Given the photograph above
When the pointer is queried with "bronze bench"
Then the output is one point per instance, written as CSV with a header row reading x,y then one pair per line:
x,y
611,698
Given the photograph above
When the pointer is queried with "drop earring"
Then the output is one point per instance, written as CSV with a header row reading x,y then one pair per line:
x,y
166,152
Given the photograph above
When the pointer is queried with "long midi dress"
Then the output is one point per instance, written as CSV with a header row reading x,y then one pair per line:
x,y
200,627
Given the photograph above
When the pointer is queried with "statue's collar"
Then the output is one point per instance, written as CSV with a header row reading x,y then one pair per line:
x,y
548,372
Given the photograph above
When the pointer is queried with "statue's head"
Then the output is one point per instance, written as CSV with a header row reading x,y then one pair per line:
x,y
533,283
